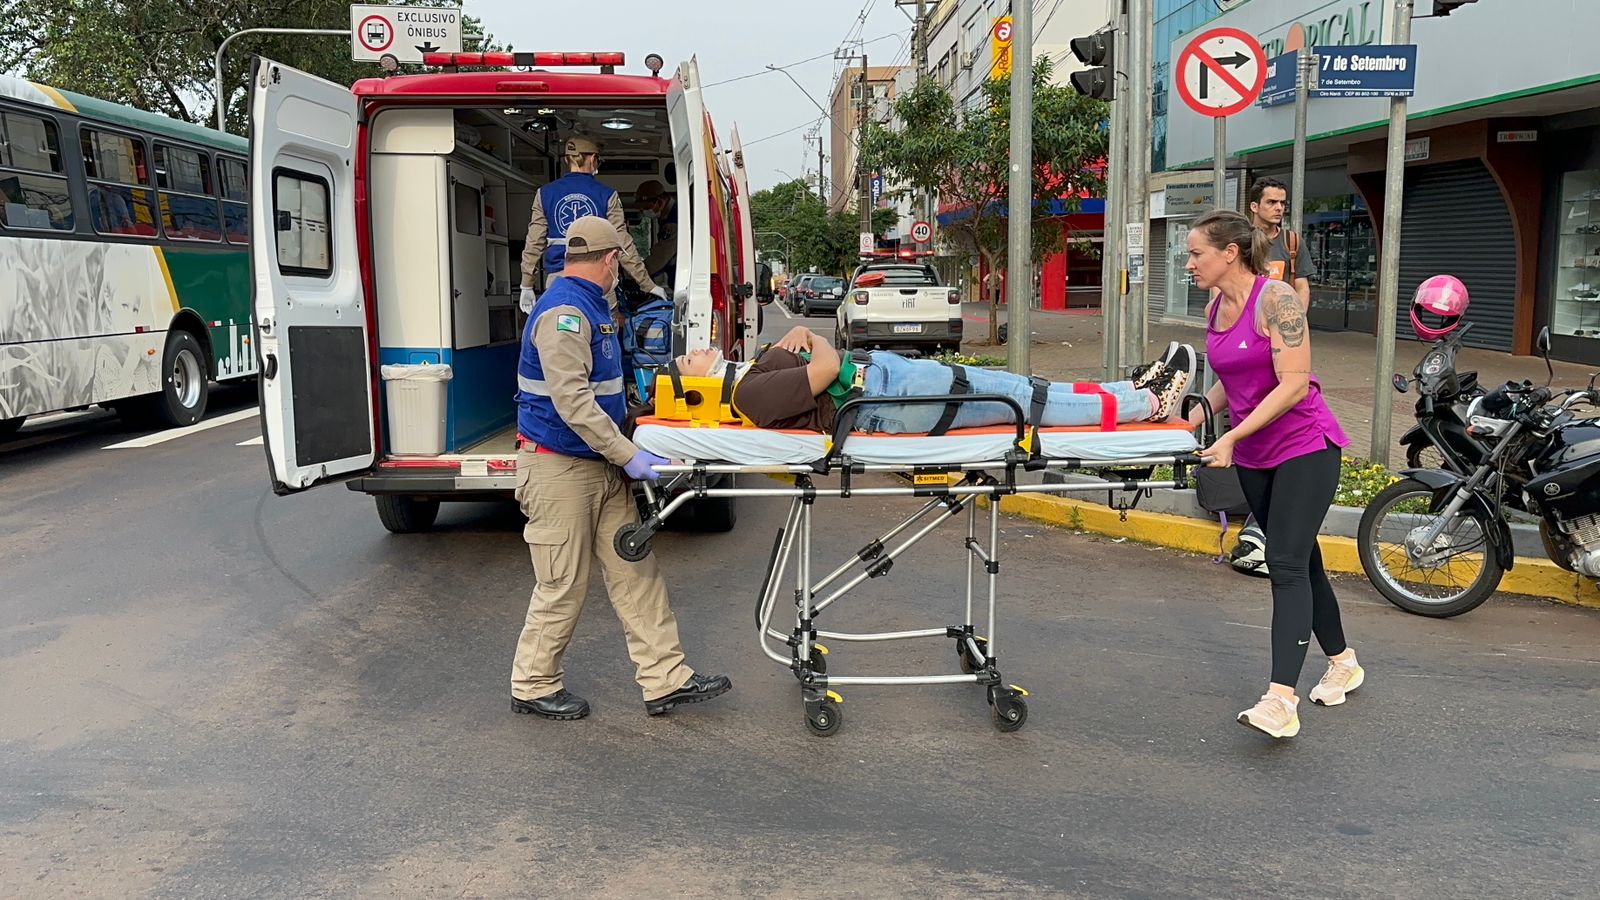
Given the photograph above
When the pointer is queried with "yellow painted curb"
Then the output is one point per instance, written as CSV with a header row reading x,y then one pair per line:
x,y
1530,577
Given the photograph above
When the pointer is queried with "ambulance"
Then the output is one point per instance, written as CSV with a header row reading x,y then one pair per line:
x,y
390,217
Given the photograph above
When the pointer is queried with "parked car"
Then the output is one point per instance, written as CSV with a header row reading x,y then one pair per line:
x,y
797,290
823,295
900,306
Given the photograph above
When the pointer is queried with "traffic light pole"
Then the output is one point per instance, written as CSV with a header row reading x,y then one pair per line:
x,y
1389,261
1136,320
1019,210
1111,290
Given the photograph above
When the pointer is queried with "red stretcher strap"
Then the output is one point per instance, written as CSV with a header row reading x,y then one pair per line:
x,y
1108,403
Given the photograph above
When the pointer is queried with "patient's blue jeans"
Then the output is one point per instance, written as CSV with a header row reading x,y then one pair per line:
x,y
892,375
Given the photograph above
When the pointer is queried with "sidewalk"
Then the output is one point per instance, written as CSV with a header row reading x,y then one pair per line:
x,y
1067,346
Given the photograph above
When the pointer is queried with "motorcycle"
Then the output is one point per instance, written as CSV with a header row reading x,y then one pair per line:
x,y
1440,440
1437,542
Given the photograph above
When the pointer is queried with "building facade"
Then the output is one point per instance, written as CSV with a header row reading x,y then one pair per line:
x,y
1502,182
845,110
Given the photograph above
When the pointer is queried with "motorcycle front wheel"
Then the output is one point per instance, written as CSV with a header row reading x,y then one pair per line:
x,y
1453,575
1425,455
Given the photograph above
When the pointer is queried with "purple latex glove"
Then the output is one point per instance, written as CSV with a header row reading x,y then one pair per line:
x,y
639,468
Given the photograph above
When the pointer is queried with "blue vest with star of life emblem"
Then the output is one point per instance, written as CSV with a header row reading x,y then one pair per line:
x,y
566,200
537,419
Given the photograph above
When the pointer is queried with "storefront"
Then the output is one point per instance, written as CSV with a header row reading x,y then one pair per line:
x,y
1502,182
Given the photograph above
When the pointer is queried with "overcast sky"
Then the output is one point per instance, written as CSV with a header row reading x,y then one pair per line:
x,y
731,38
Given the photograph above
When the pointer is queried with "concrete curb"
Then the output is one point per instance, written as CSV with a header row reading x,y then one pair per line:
x,y
1530,577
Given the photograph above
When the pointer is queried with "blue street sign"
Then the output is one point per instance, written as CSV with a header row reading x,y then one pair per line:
x,y
1280,85
1377,70
877,187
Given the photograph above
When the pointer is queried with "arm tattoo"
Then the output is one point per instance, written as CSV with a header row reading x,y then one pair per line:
x,y
1286,314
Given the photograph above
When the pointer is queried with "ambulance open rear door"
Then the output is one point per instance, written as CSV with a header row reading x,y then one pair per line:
x,y
691,150
311,316
744,231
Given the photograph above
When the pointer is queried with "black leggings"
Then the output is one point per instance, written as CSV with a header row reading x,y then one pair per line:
x,y
1290,503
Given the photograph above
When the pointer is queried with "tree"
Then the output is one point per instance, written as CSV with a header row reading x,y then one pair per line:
x,y
817,239
965,156
157,54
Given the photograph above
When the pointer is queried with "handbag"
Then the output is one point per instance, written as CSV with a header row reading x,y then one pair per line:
x,y
1218,491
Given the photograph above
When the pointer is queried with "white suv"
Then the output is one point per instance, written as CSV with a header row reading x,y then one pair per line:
x,y
898,305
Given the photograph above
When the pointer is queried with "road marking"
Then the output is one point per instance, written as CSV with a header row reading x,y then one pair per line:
x,y
785,310
172,434
253,442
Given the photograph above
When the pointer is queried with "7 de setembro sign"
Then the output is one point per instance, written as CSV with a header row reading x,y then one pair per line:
x,y
404,32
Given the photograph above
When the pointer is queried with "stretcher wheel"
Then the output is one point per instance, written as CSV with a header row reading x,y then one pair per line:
x,y
968,664
1009,710
629,545
826,720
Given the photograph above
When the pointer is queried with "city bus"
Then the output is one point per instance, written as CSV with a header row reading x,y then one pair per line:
x,y
124,259
390,218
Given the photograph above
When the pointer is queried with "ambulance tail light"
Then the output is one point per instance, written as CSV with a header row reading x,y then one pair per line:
x,y
607,59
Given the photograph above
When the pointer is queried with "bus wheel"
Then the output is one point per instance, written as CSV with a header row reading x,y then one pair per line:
x,y
401,514
8,427
185,383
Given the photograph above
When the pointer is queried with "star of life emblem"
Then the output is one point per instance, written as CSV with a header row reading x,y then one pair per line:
x,y
573,207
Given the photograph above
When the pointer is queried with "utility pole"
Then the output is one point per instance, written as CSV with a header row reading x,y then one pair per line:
x,y
1141,28
1019,210
822,172
919,39
864,110
1389,262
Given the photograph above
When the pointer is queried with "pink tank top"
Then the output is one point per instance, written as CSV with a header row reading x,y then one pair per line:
x,y
1242,359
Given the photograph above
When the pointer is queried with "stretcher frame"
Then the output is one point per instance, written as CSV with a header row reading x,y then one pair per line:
x,y
949,490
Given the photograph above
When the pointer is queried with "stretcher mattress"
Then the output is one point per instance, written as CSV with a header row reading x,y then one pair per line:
x,y
770,447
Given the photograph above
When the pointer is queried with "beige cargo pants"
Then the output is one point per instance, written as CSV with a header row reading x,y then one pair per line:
x,y
574,508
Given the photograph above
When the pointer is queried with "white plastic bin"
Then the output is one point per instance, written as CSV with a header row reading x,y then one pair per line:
x,y
417,397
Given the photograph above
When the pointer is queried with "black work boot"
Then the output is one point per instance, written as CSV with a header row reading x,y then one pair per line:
x,y
563,704
697,689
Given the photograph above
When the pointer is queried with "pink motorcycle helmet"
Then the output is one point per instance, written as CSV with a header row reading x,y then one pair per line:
x,y
1444,297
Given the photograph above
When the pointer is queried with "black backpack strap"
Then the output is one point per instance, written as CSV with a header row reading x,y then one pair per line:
x,y
679,400
958,385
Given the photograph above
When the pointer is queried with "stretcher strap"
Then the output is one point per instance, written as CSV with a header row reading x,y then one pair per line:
x,y
1041,396
958,385
678,399
1108,403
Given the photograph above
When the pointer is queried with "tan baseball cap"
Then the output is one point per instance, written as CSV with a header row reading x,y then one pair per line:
x,y
580,144
591,234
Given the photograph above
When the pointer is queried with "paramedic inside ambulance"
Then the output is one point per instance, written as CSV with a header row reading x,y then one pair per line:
x,y
564,201
573,466
661,210
801,381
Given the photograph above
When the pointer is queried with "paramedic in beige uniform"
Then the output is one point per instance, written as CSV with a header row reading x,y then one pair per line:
x,y
571,462
563,201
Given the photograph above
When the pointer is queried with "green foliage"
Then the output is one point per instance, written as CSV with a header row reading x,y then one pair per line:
x,y
964,156
951,357
817,239
157,55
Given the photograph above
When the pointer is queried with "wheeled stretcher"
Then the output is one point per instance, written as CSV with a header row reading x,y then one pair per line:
x,y
949,472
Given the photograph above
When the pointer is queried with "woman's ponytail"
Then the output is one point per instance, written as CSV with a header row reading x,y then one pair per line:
x,y
1224,226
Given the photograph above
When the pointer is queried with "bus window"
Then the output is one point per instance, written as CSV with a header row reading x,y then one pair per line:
x,y
300,208
33,186
188,203
117,171
235,199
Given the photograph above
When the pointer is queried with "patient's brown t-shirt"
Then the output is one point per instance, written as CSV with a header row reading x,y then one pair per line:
x,y
776,393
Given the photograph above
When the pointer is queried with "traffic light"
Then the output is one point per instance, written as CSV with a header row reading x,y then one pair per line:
x,y
1099,81
1446,7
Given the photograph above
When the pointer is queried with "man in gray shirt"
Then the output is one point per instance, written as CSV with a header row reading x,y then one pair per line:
x,y
1289,260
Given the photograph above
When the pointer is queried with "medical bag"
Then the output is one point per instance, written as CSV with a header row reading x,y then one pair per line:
x,y
647,338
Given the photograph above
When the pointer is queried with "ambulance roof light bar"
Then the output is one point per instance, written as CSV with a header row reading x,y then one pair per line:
x,y
606,60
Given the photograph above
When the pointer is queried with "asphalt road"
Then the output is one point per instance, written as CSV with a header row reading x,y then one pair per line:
x,y
210,691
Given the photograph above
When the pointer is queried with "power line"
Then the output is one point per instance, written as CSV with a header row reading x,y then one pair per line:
x,y
770,69
785,131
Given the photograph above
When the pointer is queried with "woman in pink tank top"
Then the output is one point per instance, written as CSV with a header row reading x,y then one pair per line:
x,y
1285,443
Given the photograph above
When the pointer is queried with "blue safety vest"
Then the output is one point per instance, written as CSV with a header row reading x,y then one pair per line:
x,y
537,419
566,200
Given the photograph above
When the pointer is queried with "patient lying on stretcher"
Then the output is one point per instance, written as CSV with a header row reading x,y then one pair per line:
x,y
801,381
